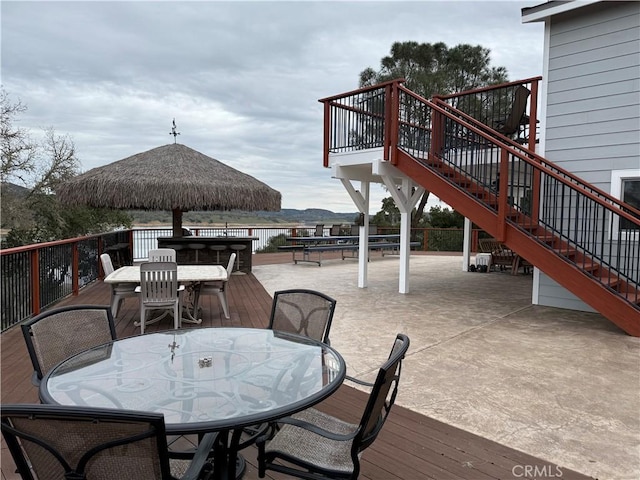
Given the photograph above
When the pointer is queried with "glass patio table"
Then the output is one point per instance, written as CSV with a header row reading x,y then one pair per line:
x,y
202,380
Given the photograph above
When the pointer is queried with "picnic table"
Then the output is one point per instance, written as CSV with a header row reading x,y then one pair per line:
x,y
347,245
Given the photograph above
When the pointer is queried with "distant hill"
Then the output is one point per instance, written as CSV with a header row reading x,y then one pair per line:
x,y
13,189
309,216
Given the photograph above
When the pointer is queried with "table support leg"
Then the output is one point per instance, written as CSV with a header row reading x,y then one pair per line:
x,y
228,464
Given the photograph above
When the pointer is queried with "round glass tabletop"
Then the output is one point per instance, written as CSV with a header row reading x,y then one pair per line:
x,y
201,379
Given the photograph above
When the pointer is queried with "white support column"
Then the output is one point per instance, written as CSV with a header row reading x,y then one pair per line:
x,y
405,251
361,200
405,193
363,251
466,245
405,201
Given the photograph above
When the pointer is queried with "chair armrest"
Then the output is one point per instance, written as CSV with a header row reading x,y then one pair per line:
x,y
358,381
312,428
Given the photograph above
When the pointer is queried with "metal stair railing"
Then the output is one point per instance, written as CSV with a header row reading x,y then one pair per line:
x,y
580,223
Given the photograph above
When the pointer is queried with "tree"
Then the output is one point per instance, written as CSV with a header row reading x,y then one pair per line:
x,y
389,216
435,69
17,149
33,213
444,218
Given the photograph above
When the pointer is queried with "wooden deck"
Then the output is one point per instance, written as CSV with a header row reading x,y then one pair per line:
x,y
410,446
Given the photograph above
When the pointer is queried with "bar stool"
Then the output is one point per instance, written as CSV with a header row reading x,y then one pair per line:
x,y
197,247
237,248
177,247
217,249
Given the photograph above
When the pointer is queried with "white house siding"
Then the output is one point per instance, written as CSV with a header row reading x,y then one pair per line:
x,y
592,123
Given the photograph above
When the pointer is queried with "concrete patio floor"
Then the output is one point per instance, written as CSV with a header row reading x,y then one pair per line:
x,y
557,384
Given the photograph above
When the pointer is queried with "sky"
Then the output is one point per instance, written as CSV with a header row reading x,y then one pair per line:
x,y
242,79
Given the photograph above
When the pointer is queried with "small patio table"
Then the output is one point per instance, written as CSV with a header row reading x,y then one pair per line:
x,y
202,380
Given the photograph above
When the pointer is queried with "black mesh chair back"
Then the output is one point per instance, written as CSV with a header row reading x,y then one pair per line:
x,y
75,443
382,396
305,312
59,333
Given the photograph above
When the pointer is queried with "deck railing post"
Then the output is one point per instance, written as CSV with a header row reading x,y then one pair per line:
x,y
75,269
130,242
436,132
325,141
388,122
536,185
35,280
533,115
503,194
100,252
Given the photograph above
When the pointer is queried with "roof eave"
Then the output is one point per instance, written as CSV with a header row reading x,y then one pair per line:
x,y
543,11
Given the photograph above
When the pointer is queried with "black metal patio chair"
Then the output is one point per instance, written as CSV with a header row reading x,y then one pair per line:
x,y
302,311
59,333
74,443
314,445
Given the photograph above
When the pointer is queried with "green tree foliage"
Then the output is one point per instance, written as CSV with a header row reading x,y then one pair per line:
x,y
444,218
274,242
33,214
389,215
435,69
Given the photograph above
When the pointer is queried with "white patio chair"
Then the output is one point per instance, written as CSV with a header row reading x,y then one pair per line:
x,y
162,255
220,288
118,291
159,290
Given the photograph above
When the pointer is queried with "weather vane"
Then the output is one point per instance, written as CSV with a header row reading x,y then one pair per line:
x,y
173,131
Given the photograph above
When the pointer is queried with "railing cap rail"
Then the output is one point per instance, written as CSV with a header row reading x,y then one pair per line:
x,y
33,246
362,90
488,88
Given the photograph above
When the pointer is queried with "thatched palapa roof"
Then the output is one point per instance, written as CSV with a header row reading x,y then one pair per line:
x,y
171,177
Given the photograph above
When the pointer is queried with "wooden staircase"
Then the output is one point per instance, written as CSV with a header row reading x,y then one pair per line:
x,y
561,225
596,285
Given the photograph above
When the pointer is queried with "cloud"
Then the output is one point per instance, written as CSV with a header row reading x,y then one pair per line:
x,y
242,79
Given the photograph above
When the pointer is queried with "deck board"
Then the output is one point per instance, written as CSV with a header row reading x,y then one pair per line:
x,y
410,446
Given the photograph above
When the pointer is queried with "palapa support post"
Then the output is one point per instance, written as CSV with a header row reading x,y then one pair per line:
x,y
177,222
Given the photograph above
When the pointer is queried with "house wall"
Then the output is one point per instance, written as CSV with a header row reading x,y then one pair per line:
x,y
592,121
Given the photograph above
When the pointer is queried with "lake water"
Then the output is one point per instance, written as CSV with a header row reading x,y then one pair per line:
x,y
144,239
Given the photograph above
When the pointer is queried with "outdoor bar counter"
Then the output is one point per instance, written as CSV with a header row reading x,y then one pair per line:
x,y
210,250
